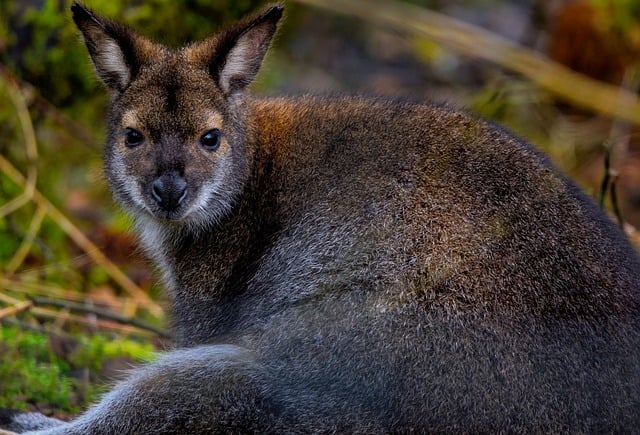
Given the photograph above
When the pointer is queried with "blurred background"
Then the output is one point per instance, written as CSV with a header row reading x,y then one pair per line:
x,y
77,300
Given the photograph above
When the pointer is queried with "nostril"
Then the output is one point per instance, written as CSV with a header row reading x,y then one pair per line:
x,y
157,189
180,189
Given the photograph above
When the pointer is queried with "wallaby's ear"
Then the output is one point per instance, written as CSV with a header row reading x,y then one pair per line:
x,y
233,57
117,52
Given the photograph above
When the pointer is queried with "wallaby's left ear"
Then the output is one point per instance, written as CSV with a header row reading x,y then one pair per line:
x,y
117,52
233,57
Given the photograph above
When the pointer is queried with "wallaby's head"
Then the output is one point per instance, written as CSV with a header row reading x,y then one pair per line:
x,y
175,146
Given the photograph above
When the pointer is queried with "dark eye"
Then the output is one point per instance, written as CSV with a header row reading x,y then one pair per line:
x,y
210,140
132,137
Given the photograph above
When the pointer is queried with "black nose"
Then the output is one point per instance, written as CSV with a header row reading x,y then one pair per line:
x,y
169,191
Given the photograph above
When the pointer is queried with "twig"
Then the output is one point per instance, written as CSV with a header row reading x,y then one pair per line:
x,y
604,186
8,299
74,306
30,288
38,329
27,241
93,323
51,314
479,43
614,199
18,308
61,319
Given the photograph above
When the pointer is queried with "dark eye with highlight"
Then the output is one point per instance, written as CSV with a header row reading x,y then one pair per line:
x,y
132,137
210,140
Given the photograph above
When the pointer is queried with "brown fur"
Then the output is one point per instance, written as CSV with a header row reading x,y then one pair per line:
x,y
356,264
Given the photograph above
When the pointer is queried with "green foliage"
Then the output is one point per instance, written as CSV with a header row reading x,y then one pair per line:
x,y
621,15
32,372
99,348
42,45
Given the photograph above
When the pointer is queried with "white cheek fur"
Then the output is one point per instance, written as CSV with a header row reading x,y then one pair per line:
x,y
125,185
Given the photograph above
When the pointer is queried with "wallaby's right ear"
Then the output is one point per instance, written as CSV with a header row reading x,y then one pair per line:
x,y
117,52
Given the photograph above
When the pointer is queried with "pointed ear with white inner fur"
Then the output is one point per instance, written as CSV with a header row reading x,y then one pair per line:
x,y
117,52
233,57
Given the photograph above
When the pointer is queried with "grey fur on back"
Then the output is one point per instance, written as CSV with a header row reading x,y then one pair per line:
x,y
372,266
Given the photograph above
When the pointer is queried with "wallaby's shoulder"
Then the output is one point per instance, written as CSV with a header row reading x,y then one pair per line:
x,y
400,118
346,109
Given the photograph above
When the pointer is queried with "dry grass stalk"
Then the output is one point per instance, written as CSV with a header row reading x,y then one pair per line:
x,y
475,42
15,309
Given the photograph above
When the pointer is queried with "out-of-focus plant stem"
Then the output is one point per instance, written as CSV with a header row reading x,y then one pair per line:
x,y
473,41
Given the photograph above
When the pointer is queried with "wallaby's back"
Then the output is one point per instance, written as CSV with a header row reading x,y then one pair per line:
x,y
435,254
450,198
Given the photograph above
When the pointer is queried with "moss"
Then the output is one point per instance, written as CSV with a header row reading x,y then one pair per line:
x,y
36,372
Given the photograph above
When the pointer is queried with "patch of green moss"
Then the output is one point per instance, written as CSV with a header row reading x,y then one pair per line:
x,y
34,374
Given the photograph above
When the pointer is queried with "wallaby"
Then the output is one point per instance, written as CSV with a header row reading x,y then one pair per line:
x,y
351,264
